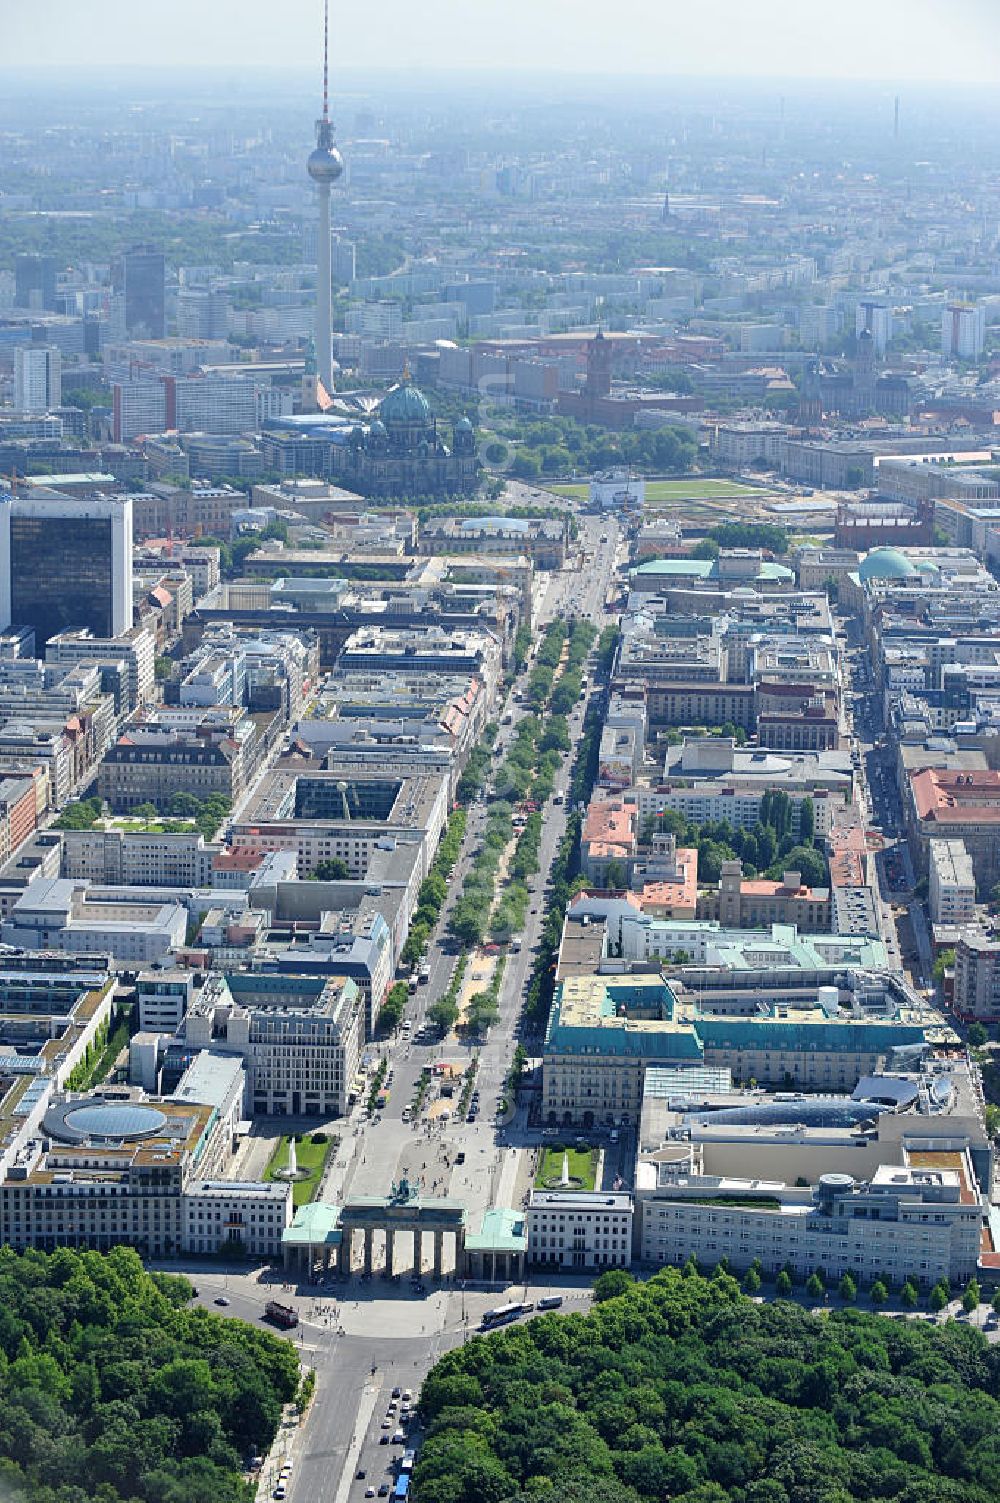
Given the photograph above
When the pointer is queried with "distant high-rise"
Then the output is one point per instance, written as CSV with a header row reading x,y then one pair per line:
x,y
875,315
325,166
37,378
344,261
35,282
66,564
138,293
963,330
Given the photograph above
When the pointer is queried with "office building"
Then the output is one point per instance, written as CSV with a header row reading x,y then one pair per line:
x,y
907,1221
65,564
963,331
952,883
138,293
875,315
604,1030
577,1230
132,925
956,805
105,1169
37,378
163,998
134,651
35,282
343,812
298,1036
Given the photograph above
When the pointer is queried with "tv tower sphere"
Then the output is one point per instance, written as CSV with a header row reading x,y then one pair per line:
x,y
325,163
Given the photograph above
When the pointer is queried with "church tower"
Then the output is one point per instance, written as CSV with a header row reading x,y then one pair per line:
x,y
598,382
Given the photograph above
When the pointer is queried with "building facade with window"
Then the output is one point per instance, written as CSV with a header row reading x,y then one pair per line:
x,y
579,1230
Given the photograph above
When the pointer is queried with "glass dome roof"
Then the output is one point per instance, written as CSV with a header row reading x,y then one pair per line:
x,y
804,1111
111,1119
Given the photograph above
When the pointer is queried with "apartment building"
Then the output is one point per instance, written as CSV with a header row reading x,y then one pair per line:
x,y
977,978
211,751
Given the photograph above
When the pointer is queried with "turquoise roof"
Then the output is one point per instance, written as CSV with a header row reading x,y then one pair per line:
x,y
315,1225
502,1230
784,1035
404,404
885,563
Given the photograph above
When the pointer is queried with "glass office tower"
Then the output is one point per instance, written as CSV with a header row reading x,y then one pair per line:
x,y
66,564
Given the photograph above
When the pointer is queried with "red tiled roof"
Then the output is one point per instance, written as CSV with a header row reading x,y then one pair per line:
x,y
952,797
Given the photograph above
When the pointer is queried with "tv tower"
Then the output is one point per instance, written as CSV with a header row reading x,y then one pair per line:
x,y
324,166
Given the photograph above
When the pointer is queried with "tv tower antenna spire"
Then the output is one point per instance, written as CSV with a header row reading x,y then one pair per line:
x,y
326,59
325,166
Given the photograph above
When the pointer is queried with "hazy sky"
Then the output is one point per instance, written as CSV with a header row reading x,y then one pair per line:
x,y
896,40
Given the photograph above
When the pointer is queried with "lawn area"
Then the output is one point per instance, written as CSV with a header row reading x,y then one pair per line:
x,y
308,1155
698,487
582,1167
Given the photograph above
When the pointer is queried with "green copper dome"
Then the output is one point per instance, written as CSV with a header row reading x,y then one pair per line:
x,y
886,563
404,404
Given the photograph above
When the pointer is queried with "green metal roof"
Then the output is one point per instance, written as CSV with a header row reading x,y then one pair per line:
x,y
404,404
886,563
502,1230
315,1225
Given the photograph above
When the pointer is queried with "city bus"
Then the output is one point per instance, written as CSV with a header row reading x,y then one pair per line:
x,y
401,1491
503,1314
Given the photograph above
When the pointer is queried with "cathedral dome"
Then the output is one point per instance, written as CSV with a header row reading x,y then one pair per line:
x,y
404,404
886,563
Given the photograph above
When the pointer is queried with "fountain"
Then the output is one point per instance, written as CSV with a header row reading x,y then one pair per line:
x,y
564,1180
290,1169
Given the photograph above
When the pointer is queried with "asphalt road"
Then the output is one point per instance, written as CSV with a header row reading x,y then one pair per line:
x,y
391,1336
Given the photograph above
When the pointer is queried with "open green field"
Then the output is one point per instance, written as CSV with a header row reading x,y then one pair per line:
x,y
582,1168
308,1155
697,488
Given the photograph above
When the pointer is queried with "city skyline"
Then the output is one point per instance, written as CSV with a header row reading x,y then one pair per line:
x,y
889,40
